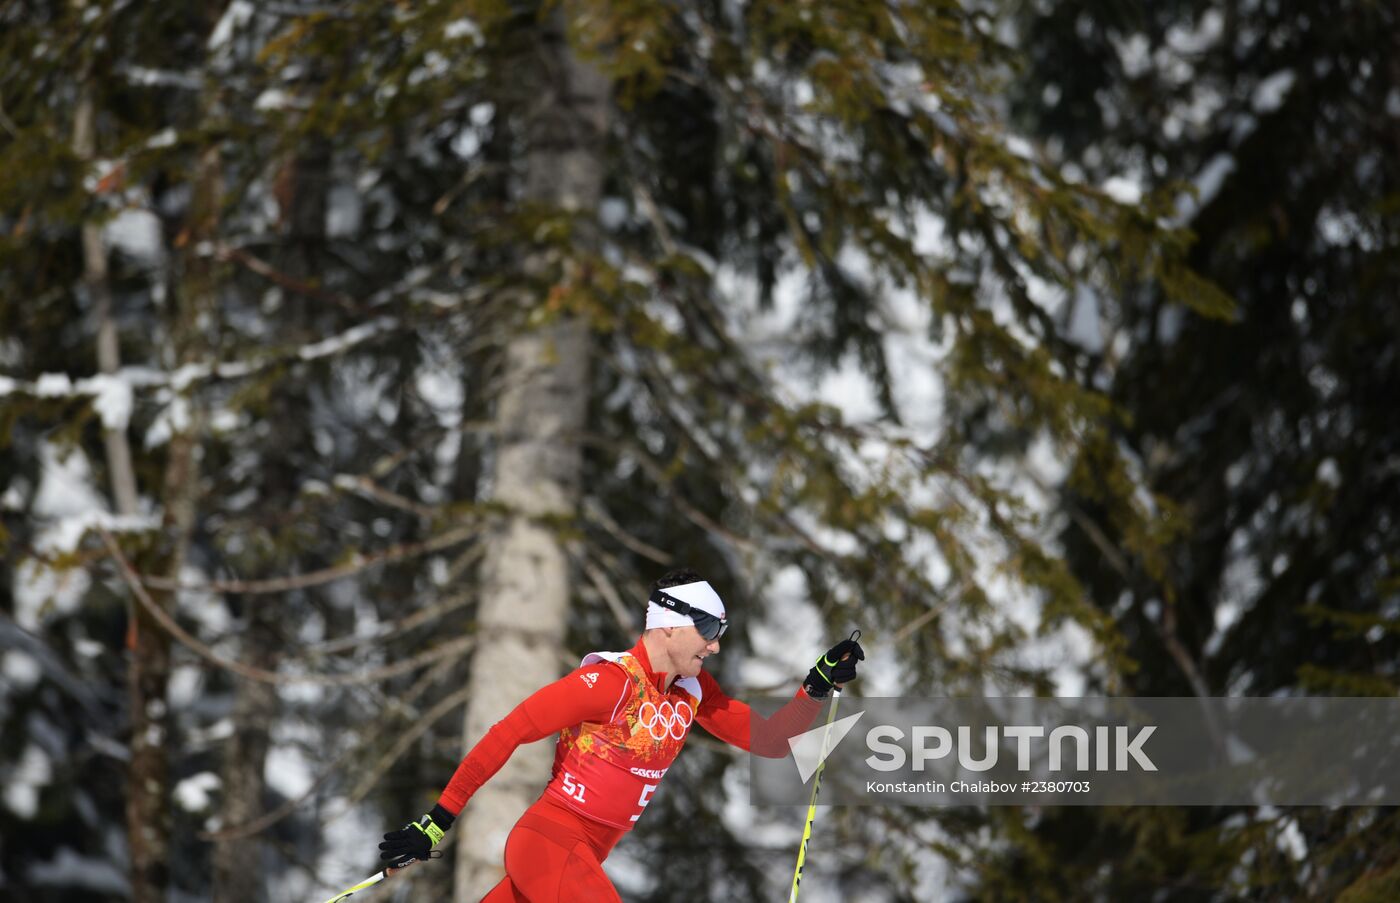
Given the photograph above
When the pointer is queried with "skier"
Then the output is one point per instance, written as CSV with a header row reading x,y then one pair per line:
x,y
621,718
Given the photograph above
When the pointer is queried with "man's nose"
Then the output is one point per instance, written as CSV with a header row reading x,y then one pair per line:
x,y
713,645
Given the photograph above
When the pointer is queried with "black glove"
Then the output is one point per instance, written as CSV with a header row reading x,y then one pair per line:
x,y
416,839
837,667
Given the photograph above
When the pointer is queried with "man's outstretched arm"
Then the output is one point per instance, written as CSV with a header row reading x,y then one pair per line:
x,y
734,722
568,701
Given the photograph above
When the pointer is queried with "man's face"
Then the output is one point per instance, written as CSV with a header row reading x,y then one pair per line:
x,y
688,650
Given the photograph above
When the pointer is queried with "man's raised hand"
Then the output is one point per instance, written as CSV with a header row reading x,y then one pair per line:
x,y
836,668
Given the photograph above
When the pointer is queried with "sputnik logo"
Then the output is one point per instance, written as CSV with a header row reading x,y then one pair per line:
x,y
810,749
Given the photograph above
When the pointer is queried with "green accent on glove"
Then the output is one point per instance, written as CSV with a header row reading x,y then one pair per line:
x,y
430,828
836,666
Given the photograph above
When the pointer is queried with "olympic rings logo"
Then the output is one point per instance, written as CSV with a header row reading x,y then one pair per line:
x,y
666,719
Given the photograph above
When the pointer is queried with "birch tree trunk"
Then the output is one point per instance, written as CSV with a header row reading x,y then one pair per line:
x,y
148,671
525,575
120,472
148,648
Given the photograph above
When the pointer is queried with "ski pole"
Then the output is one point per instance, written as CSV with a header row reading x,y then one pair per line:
x,y
378,877
816,788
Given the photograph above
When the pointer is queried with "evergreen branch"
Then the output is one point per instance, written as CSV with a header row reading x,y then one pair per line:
x,y
52,666
7,123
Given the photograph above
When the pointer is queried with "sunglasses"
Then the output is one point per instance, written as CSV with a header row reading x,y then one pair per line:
x,y
709,626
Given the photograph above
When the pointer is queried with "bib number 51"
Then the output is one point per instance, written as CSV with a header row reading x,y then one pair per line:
x,y
572,788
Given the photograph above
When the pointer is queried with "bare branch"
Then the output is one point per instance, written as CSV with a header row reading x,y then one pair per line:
x,y
405,740
363,485
287,807
658,473
325,575
395,628
907,630
283,280
595,513
171,626
604,586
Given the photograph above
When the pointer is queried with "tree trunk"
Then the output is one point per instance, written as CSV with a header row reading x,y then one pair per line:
x,y
525,579
148,778
238,860
148,785
120,472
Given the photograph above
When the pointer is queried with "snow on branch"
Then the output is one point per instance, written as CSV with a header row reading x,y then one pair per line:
x,y
65,534
112,393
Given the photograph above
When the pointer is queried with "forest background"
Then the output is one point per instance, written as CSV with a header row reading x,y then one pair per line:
x,y
361,363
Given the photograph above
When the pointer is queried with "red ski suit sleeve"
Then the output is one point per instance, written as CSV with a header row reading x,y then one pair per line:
x,y
574,699
732,721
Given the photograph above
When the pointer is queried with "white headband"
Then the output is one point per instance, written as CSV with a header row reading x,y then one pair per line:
x,y
701,595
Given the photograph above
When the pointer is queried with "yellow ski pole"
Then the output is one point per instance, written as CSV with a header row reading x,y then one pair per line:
x,y
816,788
812,807
375,879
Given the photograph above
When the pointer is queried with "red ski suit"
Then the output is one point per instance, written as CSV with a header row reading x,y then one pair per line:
x,y
620,727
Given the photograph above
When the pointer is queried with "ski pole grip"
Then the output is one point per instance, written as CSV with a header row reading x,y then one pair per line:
x,y
854,637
